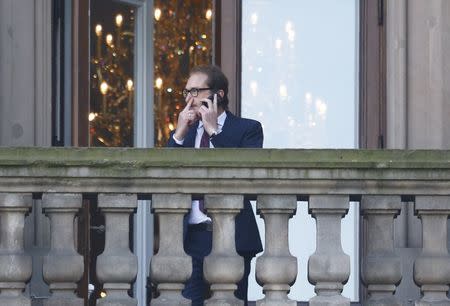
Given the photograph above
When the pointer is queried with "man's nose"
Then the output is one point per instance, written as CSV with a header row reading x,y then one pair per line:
x,y
188,97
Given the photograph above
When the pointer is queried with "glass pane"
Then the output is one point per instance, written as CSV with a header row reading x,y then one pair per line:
x,y
299,79
182,39
299,71
111,114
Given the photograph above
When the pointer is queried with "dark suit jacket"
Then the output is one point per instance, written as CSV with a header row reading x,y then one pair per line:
x,y
236,133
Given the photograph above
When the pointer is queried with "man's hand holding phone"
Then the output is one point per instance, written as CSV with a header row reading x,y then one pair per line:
x,y
208,113
211,97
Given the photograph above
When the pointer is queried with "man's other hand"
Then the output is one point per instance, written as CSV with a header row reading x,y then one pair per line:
x,y
186,118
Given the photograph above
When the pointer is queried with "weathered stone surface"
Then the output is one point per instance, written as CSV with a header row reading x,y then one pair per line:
x,y
63,267
432,267
248,171
223,267
276,269
15,264
381,267
170,268
329,266
117,265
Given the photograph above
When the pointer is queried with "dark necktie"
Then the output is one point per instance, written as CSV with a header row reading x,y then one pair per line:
x,y
204,143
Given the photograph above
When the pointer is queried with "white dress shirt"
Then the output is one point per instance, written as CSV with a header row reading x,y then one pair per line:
x,y
196,216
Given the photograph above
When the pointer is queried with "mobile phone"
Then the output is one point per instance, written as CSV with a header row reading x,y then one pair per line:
x,y
211,97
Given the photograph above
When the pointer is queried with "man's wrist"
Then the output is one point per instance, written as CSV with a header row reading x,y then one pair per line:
x,y
214,133
179,135
211,130
178,141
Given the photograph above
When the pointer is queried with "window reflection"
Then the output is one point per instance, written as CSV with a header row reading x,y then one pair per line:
x,y
299,80
299,72
111,116
182,40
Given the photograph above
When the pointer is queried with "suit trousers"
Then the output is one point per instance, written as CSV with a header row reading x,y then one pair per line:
x,y
198,244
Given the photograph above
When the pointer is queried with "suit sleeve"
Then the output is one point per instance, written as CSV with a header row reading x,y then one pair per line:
x,y
171,143
253,137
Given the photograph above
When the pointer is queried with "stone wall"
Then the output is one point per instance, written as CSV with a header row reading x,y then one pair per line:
x,y
25,73
418,74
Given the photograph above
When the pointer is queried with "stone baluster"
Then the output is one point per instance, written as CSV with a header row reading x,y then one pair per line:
x,y
381,266
223,267
329,266
63,267
170,268
15,265
117,265
432,267
276,269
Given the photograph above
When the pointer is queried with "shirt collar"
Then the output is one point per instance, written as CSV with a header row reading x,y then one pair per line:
x,y
220,121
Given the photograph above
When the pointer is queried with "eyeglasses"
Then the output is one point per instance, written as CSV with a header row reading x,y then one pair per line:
x,y
193,91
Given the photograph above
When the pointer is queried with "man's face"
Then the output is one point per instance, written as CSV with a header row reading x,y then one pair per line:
x,y
197,80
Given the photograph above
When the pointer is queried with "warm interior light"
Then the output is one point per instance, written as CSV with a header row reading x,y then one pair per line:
x,y
119,20
130,85
109,39
104,88
208,14
91,116
98,29
158,83
157,14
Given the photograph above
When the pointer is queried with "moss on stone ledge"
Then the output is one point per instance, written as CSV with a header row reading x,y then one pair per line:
x,y
251,158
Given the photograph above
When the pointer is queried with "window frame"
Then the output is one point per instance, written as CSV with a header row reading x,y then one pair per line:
x,y
228,55
80,73
143,123
372,83
372,65
372,73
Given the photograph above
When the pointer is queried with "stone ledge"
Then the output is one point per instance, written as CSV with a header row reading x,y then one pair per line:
x,y
247,158
224,171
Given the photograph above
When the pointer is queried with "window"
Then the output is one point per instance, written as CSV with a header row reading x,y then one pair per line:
x,y
112,59
300,80
183,38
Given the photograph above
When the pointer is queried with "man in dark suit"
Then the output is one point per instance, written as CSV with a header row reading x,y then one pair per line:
x,y
206,122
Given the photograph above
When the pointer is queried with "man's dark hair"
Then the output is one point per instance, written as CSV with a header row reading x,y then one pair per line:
x,y
216,80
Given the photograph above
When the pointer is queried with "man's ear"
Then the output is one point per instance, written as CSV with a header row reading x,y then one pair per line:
x,y
221,93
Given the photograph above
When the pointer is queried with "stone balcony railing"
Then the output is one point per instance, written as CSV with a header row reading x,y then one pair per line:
x,y
327,179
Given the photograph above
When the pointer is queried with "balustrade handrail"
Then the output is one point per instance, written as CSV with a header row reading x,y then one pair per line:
x,y
245,171
251,158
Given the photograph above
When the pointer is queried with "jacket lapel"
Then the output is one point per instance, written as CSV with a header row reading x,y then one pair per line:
x,y
227,127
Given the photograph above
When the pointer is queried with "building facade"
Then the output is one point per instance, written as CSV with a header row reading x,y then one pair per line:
x,y
46,93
